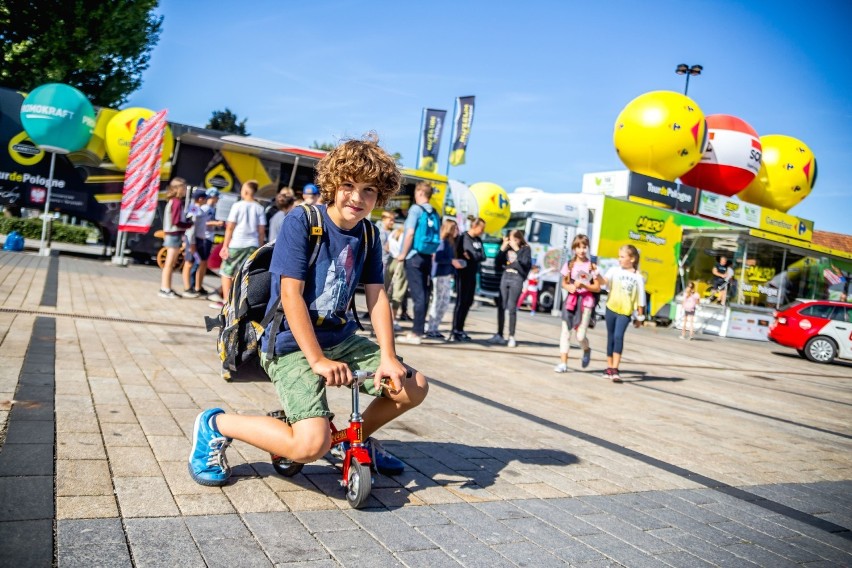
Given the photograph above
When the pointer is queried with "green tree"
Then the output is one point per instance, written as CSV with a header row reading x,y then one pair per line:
x,y
324,146
227,121
328,147
101,48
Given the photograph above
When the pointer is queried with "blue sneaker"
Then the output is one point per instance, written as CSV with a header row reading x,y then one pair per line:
x,y
383,462
587,357
207,462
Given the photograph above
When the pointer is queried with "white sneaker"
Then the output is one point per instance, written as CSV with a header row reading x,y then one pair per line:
x,y
560,368
410,338
512,342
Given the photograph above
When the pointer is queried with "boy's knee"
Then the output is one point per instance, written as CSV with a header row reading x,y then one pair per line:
x,y
311,444
417,389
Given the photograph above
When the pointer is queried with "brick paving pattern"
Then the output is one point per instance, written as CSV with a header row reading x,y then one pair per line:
x,y
712,453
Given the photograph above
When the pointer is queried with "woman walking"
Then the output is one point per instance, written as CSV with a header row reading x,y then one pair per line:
x,y
516,256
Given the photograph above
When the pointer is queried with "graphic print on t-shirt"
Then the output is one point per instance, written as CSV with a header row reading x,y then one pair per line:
x,y
334,296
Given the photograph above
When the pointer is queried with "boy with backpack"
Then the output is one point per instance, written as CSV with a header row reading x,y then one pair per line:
x,y
313,342
420,241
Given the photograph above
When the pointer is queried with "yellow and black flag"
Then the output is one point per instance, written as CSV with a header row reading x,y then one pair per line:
x,y
461,129
430,139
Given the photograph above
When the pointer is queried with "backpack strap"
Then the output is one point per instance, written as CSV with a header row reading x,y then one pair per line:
x,y
315,231
368,241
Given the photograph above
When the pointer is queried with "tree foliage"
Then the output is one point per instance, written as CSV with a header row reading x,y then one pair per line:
x,y
99,47
328,147
227,121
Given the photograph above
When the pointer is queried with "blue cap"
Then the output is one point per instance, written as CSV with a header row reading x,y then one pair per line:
x,y
310,189
212,192
199,193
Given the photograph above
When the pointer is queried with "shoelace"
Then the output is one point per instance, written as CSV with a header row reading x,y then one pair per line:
x,y
217,453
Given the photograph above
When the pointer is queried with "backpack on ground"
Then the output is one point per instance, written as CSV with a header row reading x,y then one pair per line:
x,y
427,233
244,316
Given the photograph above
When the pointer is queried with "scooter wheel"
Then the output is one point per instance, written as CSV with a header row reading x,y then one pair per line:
x,y
358,484
285,467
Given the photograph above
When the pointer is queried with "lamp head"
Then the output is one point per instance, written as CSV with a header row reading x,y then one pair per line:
x,y
682,69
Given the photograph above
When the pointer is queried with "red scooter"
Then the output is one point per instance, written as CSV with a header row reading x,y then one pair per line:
x,y
357,477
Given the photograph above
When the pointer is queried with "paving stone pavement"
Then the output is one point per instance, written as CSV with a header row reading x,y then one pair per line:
x,y
712,453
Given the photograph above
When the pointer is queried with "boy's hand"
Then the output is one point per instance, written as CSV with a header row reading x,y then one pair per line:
x,y
335,373
223,253
394,371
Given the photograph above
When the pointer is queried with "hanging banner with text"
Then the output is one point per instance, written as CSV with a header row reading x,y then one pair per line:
x,y
462,123
142,177
430,139
673,195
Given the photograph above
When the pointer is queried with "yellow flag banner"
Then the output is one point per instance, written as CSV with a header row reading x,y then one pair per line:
x,y
430,139
461,129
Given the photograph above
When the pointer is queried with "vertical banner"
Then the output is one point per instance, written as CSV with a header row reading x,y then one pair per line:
x,y
461,129
142,177
430,139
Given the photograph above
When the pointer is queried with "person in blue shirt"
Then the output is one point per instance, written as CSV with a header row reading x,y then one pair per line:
x,y
315,346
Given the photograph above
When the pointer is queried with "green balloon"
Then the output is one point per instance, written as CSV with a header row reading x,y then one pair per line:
x,y
58,118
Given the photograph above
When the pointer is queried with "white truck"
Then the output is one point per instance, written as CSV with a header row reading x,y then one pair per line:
x,y
549,222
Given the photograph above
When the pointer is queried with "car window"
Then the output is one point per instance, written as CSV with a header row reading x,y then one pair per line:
x,y
818,311
843,314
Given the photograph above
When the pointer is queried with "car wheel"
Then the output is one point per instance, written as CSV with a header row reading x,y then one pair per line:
x,y
821,349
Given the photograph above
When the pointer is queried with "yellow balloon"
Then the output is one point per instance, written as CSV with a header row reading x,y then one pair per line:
x,y
119,134
493,202
787,174
661,134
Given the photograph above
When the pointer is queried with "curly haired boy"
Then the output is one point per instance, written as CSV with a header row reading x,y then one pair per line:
x,y
316,346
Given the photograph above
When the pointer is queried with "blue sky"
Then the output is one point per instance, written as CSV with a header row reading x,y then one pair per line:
x,y
549,77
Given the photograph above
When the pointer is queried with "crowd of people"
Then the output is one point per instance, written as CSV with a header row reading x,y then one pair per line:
x,y
425,261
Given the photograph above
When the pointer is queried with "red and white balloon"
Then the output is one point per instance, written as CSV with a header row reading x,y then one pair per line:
x,y
732,158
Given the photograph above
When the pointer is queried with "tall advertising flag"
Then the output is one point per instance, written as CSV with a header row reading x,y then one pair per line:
x,y
461,129
142,177
430,139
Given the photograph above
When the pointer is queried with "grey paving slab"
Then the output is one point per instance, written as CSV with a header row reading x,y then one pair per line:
x,y
432,558
26,498
480,525
162,542
89,532
463,547
355,548
283,538
26,543
26,459
101,555
31,432
388,530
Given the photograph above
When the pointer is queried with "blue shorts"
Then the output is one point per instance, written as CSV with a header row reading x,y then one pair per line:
x,y
172,241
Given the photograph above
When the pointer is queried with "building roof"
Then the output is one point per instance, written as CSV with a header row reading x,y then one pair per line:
x,y
837,241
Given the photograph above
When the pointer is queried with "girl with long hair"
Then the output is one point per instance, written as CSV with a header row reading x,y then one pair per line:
x,y
516,257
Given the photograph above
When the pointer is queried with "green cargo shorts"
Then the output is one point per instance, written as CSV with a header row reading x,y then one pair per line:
x,y
302,392
236,258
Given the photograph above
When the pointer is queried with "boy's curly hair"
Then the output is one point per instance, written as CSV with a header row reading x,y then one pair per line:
x,y
362,161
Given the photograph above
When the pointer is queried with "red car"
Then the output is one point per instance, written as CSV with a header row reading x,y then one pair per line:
x,y
820,330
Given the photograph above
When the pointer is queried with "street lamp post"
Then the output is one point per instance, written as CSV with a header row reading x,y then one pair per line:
x,y
684,69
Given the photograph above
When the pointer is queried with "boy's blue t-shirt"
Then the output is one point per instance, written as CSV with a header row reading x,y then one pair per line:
x,y
329,284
